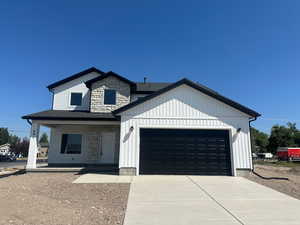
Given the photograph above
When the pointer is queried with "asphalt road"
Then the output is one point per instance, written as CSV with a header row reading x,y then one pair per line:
x,y
15,164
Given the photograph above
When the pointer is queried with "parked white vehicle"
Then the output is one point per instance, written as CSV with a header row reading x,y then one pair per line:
x,y
265,155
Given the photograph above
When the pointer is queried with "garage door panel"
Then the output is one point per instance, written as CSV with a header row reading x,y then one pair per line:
x,y
166,151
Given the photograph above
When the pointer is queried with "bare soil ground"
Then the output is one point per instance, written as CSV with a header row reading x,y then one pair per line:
x,y
283,179
52,199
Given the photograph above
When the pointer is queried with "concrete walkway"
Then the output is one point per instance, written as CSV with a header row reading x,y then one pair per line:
x,y
98,178
186,200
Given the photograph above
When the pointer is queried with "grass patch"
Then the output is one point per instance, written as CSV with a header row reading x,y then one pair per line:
x,y
278,163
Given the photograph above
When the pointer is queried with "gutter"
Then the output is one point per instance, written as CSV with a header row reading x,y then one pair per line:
x,y
28,121
252,120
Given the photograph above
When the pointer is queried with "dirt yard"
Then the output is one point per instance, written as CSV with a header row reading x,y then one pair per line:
x,y
52,199
283,179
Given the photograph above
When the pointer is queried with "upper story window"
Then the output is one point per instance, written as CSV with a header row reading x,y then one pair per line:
x,y
109,97
76,99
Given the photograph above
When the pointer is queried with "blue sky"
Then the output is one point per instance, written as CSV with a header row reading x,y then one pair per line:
x,y
246,50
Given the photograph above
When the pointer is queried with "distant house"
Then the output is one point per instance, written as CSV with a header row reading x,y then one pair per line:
x,y
5,149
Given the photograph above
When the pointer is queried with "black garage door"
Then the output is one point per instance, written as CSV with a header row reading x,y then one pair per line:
x,y
177,151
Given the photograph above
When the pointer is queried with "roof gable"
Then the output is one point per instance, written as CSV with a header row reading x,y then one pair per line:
x,y
74,76
108,74
198,87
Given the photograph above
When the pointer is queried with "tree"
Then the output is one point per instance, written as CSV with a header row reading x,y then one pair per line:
x,y
259,140
21,147
292,127
13,139
297,138
14,142
4,136
44,138
282,136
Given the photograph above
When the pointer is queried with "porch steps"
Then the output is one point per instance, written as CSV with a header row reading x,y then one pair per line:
x,y
54,169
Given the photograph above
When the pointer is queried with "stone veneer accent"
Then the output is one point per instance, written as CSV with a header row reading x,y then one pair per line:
x,y
97,94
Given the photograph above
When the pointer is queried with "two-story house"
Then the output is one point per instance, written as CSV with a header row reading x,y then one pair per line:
x,y
143,128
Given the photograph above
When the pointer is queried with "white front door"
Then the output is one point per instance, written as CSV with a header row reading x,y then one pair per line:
x,y
108,147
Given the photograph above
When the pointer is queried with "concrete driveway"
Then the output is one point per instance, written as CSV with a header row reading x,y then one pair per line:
x,y
186,200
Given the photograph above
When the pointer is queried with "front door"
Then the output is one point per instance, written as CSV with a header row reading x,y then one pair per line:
x,y
93,148
108,147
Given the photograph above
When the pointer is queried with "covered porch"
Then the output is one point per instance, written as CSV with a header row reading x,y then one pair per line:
x,y
77,140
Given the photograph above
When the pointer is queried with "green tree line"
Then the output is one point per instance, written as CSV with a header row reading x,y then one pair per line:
x,y
281,136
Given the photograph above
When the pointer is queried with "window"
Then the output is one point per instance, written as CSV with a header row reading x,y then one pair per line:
x,y
109,97
71,144
76,98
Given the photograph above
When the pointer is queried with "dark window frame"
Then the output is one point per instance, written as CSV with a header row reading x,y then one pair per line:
x,y
76,93
64,148
110,93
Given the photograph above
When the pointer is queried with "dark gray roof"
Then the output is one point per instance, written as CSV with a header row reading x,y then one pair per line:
x,y
149,87
137,87
74,76
198,87
69,115
105,75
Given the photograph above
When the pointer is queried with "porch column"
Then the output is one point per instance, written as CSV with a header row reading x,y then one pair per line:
x,y
33,145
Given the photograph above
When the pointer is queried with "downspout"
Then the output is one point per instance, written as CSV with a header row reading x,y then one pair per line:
x,y
251,141
50,90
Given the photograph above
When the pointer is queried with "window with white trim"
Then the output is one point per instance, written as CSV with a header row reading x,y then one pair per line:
x,y
76,99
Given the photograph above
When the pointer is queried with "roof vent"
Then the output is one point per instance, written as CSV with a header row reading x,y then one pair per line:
x,y
145,80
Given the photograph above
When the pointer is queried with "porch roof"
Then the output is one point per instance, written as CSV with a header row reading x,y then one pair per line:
x,y
71,115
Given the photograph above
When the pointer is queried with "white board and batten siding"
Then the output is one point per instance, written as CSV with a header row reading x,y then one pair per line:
x,y
62,93
185,108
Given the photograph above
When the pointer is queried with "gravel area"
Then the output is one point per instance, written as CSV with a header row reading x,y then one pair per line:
x,y
283,179
52,199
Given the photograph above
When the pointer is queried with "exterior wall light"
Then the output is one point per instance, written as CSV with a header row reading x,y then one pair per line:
x,y
238,130
131,129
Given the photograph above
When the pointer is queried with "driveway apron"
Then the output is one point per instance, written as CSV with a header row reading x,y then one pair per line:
x,y
183,200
